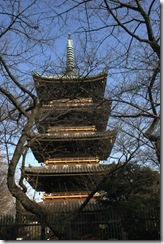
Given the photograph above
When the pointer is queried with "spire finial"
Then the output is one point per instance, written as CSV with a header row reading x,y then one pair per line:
x,y
70,56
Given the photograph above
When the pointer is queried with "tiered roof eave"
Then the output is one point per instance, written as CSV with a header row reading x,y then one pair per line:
x,y
69,78
99,144
68,86
66,136
44,174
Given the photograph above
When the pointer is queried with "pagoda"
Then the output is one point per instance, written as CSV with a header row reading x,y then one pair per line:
x,y
71,136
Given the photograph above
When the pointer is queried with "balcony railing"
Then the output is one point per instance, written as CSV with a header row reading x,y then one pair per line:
x,y
68,196
73,160
72,129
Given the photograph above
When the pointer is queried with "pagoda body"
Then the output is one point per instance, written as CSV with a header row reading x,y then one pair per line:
x,y
72,137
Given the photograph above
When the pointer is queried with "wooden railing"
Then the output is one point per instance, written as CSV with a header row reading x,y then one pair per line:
x,y
72,160
71,129
68,196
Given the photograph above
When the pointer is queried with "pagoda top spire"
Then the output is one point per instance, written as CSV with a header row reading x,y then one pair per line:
x,y
70,56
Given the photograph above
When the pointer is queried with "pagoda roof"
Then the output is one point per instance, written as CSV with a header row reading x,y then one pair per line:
x,y
45,146
62,87
66,170
76,136
90,114
65,106
68,78
74,177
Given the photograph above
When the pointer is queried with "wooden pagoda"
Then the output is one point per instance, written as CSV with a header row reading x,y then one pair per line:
x,y
72,138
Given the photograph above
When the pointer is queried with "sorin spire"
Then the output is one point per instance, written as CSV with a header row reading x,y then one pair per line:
x,y
70,56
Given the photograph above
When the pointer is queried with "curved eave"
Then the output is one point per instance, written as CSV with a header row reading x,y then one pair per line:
x,y
97,111
95,114
105,106
66,137
68,78
66,171
89,145
48,178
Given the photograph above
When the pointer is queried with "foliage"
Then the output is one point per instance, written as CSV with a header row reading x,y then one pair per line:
x,y
135,192
133,187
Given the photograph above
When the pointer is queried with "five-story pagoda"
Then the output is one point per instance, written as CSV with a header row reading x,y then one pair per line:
x,y
72,137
